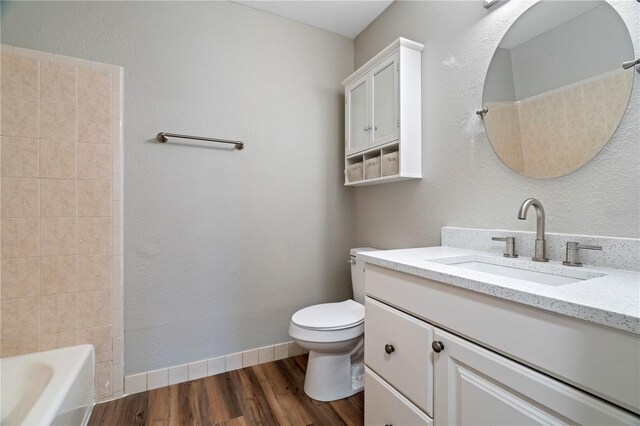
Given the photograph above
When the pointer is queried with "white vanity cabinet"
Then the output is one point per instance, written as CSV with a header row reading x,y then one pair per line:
x,y
383,116
493,362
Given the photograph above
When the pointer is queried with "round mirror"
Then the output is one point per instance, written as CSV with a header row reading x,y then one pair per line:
x,y
555,90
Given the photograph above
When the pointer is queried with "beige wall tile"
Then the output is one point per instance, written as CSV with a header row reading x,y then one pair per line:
x,y
59,313
58,275
21,318
116,214
57,121
57,198
19,346
94,87
58,236
20,277
58,340
20,197
100,338
94,235
94,308
58,159
94,198
94,161
19,76
596,123
20,238
19,117
117,298
57,82
617,91
117,270
103,380
19,157
94,124
94,272
117,242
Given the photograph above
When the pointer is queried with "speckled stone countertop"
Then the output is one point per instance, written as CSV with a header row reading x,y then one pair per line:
x,y
609,297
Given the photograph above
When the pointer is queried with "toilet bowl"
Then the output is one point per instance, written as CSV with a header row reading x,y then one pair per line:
x,y
333,333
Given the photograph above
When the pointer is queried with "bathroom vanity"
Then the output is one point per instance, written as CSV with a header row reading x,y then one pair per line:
x,y
450,342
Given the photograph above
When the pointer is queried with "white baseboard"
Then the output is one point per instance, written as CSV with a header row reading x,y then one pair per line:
x,y
148,380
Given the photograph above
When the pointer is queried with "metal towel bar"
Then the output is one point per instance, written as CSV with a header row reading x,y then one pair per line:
x,y
164,137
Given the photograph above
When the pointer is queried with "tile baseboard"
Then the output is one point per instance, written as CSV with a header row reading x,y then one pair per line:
x,y
149,380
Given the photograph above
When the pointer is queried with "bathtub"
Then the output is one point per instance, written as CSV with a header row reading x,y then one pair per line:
x,y
48,388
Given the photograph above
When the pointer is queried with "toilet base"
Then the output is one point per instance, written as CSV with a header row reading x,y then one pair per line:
x,y
333,376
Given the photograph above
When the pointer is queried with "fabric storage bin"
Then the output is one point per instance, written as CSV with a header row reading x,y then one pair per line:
x,y
354,172
372,168
390,164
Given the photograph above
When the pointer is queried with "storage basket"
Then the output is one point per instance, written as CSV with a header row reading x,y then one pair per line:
x,y
372,168
390,164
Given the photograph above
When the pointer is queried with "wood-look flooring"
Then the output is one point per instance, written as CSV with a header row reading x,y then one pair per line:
x,y
265,394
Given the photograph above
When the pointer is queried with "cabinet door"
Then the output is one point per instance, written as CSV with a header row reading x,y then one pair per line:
x,y
384,87
398,348
383,405
357,126
474,386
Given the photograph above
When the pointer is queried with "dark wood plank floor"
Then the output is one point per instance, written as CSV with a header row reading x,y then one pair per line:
x,y
265,394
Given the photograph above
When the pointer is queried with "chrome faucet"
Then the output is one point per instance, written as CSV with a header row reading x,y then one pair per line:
x,y
540,254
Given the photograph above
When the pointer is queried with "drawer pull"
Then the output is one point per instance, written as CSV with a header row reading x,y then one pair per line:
x,y
437,347
389,348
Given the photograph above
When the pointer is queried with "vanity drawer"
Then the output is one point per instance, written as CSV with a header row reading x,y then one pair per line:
x,y
383,405
409,366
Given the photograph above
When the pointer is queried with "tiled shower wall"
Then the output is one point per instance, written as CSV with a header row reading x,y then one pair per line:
x,y
561,129
61,280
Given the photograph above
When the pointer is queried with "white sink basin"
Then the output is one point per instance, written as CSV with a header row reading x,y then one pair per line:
x,y
537,272
521,274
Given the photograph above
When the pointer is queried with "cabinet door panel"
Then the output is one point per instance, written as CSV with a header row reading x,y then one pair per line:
x,y
385,102
383,405
408,367
357,118
474,386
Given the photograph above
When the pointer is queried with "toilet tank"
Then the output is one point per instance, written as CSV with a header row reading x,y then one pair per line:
x,y
357,273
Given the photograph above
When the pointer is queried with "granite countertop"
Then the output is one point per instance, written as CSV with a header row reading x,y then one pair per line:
x,y
609,297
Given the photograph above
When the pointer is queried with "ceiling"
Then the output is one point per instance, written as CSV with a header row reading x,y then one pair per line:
x,y
347,18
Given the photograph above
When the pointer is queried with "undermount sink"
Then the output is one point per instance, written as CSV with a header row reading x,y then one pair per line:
x,y
540,273
521,274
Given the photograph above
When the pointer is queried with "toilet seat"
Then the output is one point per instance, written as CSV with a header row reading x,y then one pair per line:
x,y
328,322
330,316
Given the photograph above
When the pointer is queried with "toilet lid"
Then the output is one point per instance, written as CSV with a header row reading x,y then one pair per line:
x,y
330,316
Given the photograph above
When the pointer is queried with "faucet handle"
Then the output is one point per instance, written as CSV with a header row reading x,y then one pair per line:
x,y
573,251
510,249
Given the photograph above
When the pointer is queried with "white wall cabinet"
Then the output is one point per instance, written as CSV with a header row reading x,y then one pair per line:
x,y
383,117
466,381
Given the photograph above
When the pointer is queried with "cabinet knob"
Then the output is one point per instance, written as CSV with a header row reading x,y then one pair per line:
x,y
389,348
366,129
437,347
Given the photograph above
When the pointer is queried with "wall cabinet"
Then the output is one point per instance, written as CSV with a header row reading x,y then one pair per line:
x,y
423,356
383,117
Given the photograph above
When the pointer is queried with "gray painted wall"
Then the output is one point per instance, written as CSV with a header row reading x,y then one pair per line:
x,y
598,44
498,86
464,183
220,247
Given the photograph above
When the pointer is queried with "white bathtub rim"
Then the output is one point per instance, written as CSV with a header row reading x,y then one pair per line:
x,y
48,405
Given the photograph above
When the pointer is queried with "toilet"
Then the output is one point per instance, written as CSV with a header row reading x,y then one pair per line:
x,y
333,333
